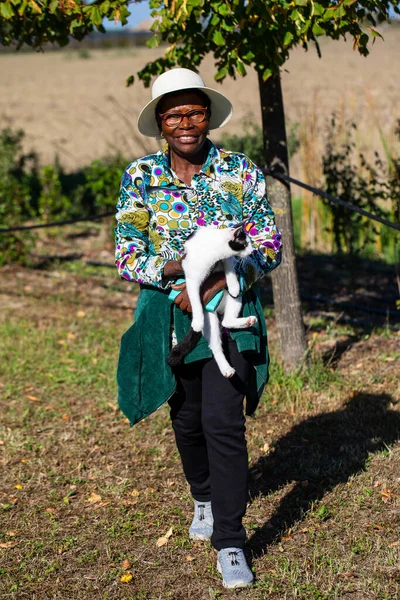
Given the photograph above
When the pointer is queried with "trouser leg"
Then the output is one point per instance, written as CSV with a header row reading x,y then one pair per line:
x,y
186,422
224,429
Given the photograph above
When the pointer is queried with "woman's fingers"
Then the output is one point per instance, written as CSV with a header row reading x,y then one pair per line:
x,y
183,302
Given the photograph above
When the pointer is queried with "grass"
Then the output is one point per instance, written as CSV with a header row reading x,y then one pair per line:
x,y
84,497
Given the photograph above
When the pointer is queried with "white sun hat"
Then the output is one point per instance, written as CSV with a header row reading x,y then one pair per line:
x,y
174,81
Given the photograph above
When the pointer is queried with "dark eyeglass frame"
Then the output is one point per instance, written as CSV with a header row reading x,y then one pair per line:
x,y
205,111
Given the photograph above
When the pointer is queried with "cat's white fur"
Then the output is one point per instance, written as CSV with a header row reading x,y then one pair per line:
x,y
208,250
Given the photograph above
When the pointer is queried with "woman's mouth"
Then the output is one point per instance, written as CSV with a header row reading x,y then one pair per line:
x,y
187,139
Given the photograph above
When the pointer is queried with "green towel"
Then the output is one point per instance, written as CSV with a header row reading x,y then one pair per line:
x,y
146,382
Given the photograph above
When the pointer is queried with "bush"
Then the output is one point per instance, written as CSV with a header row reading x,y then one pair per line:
x,y
251,142
19,186
368,186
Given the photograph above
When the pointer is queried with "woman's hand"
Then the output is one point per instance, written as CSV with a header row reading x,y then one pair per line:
x,y
173,268
211,286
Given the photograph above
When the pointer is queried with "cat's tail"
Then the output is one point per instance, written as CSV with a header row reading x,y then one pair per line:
x,y
178,352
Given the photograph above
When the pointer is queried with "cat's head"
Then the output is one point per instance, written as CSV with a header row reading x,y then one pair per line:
x,y
239,241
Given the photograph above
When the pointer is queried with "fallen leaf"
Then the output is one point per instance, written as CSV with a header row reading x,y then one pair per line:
x,y
93,498
126,565
66,417
61,342
101,505
18,486
266,447
170,483
286,539
33,398
392,545
347,574
113,406
8,544
11,533
190,558
70,336
164,538
80,314
126,577
135,493
51,511
274,402
269,431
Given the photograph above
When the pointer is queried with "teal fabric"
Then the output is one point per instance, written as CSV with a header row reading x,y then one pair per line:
x,y
146,382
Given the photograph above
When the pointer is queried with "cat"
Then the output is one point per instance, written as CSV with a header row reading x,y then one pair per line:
x,y
207,250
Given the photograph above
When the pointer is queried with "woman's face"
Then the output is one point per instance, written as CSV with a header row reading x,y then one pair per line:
x,y
185,139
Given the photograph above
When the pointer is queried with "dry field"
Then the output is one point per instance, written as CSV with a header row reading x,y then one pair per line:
x,y
80,108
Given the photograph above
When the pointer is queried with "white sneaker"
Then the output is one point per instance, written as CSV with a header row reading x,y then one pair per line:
x,y
203,521
232,564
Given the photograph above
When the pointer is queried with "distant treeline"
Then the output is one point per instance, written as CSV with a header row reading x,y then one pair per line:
x,y
112,39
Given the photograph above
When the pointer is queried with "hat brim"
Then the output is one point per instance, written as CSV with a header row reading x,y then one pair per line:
x,y
221,111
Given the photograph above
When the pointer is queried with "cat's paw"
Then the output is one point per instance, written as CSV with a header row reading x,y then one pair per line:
x,y
228,372
251,321
198,324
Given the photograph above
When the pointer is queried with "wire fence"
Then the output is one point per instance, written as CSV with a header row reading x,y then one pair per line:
x,y
314,190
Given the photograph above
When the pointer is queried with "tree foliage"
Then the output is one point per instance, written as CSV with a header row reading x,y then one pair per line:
x,y
258,33
37,22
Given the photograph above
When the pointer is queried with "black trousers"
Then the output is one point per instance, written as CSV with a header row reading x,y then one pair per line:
x,y
209,424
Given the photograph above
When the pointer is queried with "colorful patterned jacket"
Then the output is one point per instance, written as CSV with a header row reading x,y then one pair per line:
x,y
157,212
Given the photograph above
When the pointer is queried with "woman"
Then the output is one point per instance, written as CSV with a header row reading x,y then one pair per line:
x,y
164,197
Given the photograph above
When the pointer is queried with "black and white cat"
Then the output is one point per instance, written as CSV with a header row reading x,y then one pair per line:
x,y
206,250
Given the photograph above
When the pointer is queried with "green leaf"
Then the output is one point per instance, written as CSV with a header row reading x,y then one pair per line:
x,y
54,6
363,41
222,73
266,74
224,10
240,67
95,16
130,80
218,38
318,9
153,42
301,2
288,38
317,30
6,10
248,56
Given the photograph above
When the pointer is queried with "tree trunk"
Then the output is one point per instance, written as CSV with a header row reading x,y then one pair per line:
x,y
289,319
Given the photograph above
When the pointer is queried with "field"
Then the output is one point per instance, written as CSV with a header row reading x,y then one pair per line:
x,y
80,109
84,498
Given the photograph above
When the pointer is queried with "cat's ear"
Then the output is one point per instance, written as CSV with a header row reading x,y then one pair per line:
x,y
238,231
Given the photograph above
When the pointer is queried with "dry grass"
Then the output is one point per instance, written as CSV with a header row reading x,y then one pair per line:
x,y
84,498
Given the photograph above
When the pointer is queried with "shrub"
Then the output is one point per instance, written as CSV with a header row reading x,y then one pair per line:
x,y
251,142
368,186
19,186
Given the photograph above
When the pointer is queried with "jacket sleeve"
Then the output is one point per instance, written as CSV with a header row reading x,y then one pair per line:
x,y
135,253
261,229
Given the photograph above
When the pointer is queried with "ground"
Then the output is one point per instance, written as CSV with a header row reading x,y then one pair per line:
x,y
87,501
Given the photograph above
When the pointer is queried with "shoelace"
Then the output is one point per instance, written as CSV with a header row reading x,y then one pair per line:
x,y
234,559
201,508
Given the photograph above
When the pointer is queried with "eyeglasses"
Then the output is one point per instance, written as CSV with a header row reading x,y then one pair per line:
x,y
195,117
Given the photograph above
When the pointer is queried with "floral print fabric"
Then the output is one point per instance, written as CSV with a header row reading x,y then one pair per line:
x,y
156,212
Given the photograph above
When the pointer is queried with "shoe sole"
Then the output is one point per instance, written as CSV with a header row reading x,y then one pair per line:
x,y
199,536
231,586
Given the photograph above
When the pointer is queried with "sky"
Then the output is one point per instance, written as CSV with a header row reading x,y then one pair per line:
x,y
140,11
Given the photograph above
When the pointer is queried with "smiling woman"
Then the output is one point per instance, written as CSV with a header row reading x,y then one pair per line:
x,y
164,198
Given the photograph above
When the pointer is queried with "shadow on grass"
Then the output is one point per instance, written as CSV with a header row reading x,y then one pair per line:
x,y
317,454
